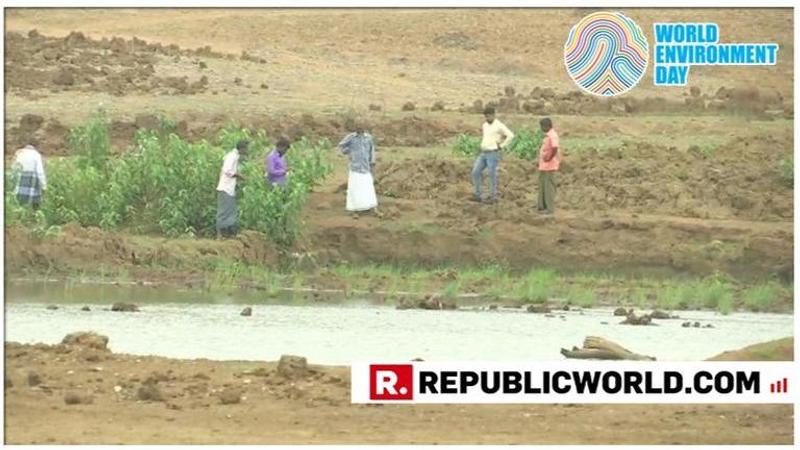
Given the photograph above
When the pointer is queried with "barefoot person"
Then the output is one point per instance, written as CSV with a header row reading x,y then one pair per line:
x,y
496,137
32,181
549,160
227,210
360,149
276,166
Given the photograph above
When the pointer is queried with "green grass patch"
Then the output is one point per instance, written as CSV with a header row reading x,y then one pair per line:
x,y
536,286
764,297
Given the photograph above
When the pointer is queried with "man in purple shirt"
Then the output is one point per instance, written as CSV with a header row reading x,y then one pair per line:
x,y
276,164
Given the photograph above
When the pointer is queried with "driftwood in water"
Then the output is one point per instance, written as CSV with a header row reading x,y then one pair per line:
x,y
599,348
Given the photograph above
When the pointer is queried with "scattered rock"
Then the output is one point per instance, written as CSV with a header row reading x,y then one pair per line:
x,y
539,309
658,314
633,319
409,106
86,339
374,107
696,325
85,308
686,324
52,307
264,86
438,106
73,398
247,312
64,77
34,379
231,396
708,325
621,312
124,307
149,392
291,366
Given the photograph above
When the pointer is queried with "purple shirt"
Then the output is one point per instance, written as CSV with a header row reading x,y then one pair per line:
x,y
276,168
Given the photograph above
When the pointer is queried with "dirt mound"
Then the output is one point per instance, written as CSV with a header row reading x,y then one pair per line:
x,y
544,101
778,350
77,63
637,177
87,339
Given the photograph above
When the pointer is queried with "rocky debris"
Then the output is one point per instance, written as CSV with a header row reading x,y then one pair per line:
x,y
430,302
73,398
124,307
291,366
247,312
696,325
86,339
438,106
34,379
230,396
600,348
86,308
622,312
409,106
633,319
539,309
658,314
52,307
149,392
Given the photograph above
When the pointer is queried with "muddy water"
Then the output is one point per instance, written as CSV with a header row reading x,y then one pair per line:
x,y
191,324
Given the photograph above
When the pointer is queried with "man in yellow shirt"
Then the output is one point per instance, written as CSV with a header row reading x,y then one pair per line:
x,y
496,137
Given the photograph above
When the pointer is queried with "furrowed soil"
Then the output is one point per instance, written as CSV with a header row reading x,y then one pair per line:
x,y
125,399
680,181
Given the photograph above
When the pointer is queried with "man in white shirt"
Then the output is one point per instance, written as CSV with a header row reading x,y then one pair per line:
x,y
227,210
496,137
32,181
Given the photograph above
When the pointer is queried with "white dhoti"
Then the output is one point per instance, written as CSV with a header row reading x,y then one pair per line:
x,y
360,192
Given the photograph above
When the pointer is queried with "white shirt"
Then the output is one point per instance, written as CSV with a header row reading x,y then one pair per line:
x,y
495,135
29,159
227,178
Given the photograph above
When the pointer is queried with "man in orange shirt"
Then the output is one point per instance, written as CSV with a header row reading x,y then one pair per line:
x,y
549,160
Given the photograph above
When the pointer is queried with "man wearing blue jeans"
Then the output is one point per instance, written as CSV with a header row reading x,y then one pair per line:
x,y
496,137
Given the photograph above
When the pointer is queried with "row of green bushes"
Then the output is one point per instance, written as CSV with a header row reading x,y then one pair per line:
x,y
167,185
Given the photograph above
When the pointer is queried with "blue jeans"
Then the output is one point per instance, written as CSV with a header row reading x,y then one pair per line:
x,y
484,160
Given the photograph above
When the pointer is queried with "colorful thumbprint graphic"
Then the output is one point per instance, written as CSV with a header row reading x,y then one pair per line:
x,y
606,53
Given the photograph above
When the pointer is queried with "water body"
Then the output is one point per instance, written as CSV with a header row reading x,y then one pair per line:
x,y
194,324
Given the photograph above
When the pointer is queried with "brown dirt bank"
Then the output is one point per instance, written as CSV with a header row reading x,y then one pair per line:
x,y
125,399
645,245
778,350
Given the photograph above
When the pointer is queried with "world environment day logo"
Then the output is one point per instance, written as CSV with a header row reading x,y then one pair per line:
x,y
606,53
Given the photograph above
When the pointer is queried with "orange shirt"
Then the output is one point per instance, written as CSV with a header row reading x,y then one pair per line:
x,y
549,143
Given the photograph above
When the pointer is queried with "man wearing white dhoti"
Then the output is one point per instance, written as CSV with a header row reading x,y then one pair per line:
x,y
360,148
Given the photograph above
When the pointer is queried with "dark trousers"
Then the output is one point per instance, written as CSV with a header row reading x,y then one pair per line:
x,y
547,192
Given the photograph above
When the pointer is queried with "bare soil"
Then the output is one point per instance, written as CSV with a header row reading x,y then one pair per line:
x,y
91,396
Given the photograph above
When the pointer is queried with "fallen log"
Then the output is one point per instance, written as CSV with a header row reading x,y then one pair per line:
x,y
595,347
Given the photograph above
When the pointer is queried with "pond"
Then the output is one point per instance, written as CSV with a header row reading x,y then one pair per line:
x,y
182,323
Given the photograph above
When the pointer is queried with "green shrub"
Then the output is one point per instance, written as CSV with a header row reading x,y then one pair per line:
x,y
714,294
674,297
537,286
764,297
167,185
526,144
466,145
583,297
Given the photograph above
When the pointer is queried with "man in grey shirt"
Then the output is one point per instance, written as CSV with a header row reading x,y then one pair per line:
x,y
360,149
